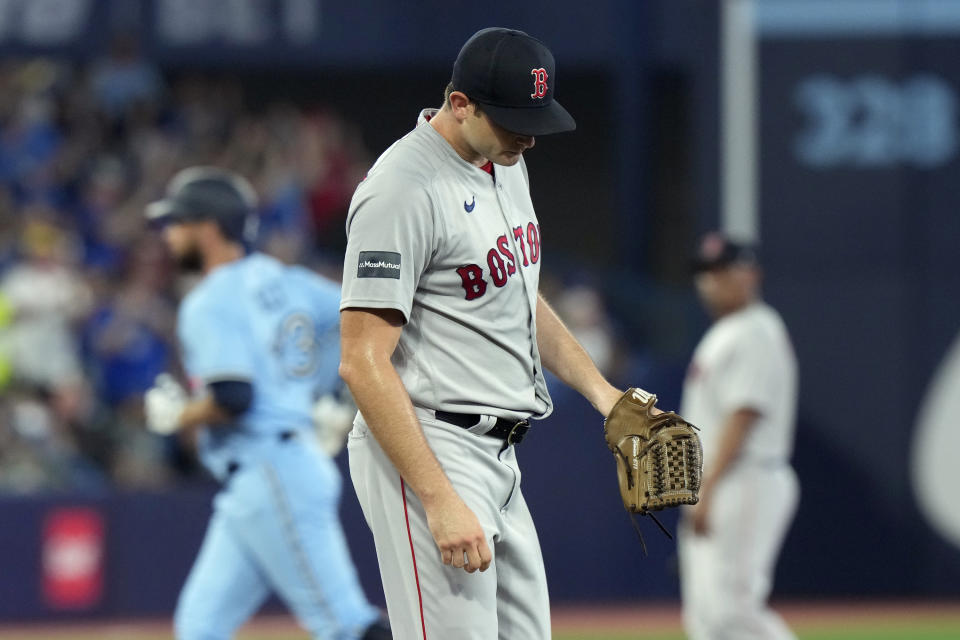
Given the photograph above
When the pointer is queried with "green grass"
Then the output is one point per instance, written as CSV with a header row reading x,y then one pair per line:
x,y
901,633
864,633
614,636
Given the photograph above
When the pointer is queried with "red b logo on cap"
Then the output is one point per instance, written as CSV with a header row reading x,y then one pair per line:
x,y
539,83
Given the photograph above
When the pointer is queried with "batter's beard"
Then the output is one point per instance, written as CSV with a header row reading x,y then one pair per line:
x,y
190,261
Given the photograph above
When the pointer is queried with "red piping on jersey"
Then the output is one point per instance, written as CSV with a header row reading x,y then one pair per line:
x,y
416,574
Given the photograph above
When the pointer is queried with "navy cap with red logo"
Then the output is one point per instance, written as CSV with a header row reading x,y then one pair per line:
x,y
717,251
512,75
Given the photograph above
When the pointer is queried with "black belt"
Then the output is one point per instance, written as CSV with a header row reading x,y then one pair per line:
x,y
510,431
284,436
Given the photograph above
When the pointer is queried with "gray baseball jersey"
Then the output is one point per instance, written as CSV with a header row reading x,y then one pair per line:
x,y
745,360
458,253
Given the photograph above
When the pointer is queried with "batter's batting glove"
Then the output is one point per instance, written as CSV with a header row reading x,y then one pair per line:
x,y
163,404
333,419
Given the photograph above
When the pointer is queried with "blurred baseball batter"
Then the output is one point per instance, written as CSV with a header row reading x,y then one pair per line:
x,y
260,342
444,342
741,390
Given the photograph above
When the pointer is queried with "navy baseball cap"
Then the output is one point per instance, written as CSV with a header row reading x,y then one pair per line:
x,y
717,250
513,76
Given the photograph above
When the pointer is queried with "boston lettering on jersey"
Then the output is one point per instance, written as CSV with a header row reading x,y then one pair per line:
x,y
501,261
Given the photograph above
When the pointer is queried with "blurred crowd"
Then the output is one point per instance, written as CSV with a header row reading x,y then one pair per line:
x,y
87,293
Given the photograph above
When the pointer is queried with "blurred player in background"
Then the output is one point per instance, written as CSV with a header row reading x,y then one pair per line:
x,y
260,342
741,390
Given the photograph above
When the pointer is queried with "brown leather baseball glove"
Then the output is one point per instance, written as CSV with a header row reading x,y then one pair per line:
x,y
659,457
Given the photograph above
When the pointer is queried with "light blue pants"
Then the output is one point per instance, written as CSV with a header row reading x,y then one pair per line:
x,y
275,528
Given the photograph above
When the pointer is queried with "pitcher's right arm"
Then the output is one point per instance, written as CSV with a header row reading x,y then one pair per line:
x,y
368,338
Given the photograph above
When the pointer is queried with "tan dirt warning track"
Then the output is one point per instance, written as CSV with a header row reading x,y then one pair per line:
x,y
624,617
665,617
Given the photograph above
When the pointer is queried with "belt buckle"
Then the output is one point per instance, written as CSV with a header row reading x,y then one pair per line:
x,y
516,433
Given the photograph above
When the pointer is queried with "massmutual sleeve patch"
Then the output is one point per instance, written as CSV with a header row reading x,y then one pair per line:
x,y
379,264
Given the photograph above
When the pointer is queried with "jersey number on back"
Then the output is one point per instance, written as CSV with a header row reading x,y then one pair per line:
x,y
296,345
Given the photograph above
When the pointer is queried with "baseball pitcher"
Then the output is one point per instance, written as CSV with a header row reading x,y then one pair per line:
x,y
444,342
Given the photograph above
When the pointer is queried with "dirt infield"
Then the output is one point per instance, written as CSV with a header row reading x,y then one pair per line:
x,y
665,617
574,621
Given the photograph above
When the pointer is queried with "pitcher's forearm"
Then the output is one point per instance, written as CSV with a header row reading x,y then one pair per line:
x,y
385,405
566,358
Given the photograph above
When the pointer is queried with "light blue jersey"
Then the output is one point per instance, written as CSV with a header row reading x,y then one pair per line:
x,y
269,324
275,526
